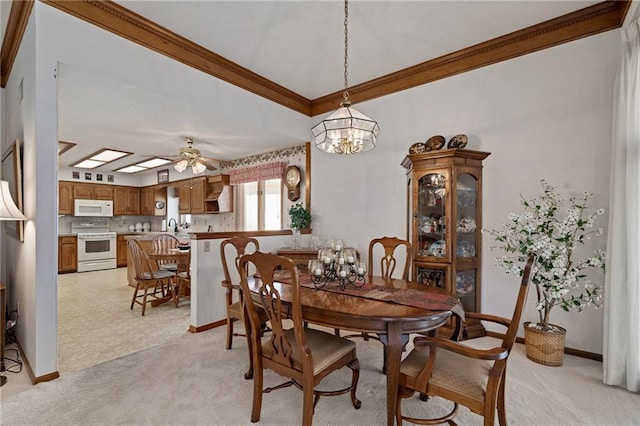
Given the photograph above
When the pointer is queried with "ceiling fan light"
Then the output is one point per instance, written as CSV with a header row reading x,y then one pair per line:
x,y
198,167
181,166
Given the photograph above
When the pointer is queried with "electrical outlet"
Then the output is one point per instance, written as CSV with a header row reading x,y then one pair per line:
x,y
207,246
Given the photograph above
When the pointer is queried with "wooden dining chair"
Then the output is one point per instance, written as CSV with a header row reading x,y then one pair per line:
x,y
391,251
463,375
147,276
183,277
389,260
304,355
162,243
237,247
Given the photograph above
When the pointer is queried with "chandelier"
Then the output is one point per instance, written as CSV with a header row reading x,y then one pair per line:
x,y
347,130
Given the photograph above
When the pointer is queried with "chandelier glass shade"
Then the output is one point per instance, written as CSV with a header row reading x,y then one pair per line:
x,y
347,130
196,166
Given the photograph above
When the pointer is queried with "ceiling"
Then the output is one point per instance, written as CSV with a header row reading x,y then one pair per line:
x,y
296,44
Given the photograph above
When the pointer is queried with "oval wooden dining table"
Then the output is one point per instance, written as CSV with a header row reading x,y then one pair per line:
x,y
393,322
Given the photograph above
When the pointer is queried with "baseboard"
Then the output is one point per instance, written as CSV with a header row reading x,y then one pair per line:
x,y
35,380
193,329
568,351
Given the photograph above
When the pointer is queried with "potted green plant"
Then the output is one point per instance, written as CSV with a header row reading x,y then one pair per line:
x,y
559,276
300,219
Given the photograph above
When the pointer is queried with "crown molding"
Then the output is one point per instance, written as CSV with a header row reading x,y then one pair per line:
x,y
131,26
112,17
16,25
585,22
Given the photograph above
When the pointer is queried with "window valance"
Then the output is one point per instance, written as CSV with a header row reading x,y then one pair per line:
x,y
257,173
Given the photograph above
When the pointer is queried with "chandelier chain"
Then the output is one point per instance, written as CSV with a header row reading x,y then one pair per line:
x,y
346,47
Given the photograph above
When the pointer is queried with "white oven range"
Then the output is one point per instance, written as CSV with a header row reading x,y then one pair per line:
x,y
96,246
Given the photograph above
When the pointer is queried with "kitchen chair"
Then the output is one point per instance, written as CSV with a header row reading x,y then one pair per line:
x,y
304,355
146,276
241,245
183,276
162,243
472,377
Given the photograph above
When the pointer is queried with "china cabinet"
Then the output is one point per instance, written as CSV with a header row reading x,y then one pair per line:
x,y
444,197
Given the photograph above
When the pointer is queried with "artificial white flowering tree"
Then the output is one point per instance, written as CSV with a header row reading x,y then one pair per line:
x,y
553,235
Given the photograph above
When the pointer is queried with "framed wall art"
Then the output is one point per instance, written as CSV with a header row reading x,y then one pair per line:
x,y
12,173
163,176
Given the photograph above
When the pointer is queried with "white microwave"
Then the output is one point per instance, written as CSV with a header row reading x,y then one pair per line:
x,y
93,208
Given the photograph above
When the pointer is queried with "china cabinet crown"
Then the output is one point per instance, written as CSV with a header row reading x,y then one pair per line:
x,y
444,196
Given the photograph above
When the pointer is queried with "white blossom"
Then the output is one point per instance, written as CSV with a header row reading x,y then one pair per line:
x,y
553,235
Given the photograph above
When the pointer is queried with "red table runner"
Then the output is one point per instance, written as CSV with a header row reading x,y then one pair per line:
x,y
428,300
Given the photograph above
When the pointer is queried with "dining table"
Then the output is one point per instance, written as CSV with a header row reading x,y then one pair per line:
x,y
174,255
390,308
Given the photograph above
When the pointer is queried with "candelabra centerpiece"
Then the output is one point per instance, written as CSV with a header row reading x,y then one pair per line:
x,y
337,264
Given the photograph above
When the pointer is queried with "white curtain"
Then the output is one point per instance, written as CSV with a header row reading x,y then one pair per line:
x,y
621,352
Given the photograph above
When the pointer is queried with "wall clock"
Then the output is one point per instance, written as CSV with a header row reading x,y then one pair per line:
x,y
292,178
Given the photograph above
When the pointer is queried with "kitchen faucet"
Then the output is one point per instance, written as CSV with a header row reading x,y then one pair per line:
x,y
175,225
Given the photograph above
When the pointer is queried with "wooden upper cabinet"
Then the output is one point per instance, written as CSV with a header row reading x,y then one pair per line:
x,y
83,191
198,186
219,195
126,200
103,192
191,195
146,200
65,197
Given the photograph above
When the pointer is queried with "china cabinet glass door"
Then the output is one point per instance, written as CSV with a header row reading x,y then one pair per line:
x,y
431,216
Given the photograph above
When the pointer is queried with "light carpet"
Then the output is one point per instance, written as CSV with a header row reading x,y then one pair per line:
x,y
194,380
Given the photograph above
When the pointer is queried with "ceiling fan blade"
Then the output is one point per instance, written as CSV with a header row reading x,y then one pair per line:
x,y
207,164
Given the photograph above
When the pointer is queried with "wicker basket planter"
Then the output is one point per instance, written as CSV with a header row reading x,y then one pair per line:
x,y
544,347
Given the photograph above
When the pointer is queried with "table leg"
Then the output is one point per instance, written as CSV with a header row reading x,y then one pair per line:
x,y
394,353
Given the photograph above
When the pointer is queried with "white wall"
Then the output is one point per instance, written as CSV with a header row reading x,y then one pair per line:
x,y
544,115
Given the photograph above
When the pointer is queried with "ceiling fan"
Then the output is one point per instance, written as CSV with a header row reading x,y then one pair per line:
x,y
191,157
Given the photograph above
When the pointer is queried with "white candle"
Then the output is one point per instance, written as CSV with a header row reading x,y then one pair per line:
x,y
343,274
327,259
350,259
338,247
341,260
360,271
318,271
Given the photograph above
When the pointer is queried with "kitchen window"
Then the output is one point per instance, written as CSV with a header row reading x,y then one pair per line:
x,y
261,205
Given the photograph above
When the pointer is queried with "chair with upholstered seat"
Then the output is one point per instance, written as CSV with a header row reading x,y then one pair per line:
x,y
463,375
391,251
304,355
390,258
162,243
183,277
146,276
237,247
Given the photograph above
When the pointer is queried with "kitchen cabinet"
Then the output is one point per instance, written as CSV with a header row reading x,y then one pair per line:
x,y
83,191
121,251
444,195
103,192
146,200
126,200
65,198
191,193
90,191
219,195
67,254
153,200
